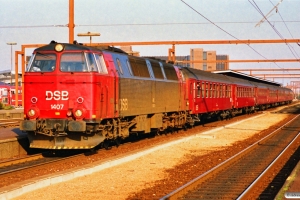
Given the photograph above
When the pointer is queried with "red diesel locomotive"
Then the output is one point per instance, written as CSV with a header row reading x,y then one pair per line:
x,y
77,97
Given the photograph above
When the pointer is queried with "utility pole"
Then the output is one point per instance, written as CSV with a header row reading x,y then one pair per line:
x,y
71,24
11,60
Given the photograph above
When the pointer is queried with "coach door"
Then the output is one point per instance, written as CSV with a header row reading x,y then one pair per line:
x,y
233,98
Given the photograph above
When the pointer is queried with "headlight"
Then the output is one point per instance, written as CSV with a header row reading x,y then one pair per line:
x,y
31,113
78,113
59,47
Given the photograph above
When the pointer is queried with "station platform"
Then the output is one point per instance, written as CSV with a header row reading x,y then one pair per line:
x,y
291,188
12,114
13,142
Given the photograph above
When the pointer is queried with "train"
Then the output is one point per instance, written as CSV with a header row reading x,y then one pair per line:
x,y
8,95
81,97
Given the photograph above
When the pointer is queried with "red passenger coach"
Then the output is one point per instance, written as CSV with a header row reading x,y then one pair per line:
x,y
8,95
15,93
209,94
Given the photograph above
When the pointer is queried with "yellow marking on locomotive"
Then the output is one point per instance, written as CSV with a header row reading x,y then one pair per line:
x,y
57,113
94,116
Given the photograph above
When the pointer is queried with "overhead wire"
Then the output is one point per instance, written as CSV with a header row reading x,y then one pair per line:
x,y
139,24
223,29
273,27
285,26
35,26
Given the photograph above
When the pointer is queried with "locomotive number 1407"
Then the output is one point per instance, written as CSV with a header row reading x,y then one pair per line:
x,y
57,106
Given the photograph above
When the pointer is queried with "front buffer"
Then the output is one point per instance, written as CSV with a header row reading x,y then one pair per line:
x,y
60,134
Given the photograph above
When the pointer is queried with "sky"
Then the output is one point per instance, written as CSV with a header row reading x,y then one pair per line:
x,y
40,21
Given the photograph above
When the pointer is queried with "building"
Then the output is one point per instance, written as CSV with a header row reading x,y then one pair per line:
x,y
8,77
197,55
200,55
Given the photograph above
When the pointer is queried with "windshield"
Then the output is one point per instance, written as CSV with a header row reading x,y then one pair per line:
x,y
73,62
42,63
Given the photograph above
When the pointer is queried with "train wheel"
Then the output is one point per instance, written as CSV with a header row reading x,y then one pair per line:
x,y
106,144
118,141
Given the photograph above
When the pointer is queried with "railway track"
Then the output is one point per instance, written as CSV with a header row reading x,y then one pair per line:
x,y
21,165
69,163
4,123
246,170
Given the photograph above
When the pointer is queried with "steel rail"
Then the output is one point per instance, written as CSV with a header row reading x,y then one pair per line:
x,y
247,193
53,160
20,160
193,183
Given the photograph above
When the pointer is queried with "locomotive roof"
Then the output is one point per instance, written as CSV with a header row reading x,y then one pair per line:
x,y
78,46
236,74
67,46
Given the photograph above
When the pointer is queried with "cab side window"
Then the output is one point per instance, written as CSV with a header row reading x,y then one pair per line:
x,y
91,61
101,64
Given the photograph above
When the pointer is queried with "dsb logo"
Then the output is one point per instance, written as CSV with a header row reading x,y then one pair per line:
x,y
57,95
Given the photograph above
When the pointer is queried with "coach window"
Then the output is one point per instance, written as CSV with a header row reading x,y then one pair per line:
x,y
226,91
203,89
198,89
206,90
211,90
101,64
119,65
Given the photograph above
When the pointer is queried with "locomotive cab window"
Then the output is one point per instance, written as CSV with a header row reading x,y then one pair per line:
x,y
91,61
42,62
73,62
101,64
